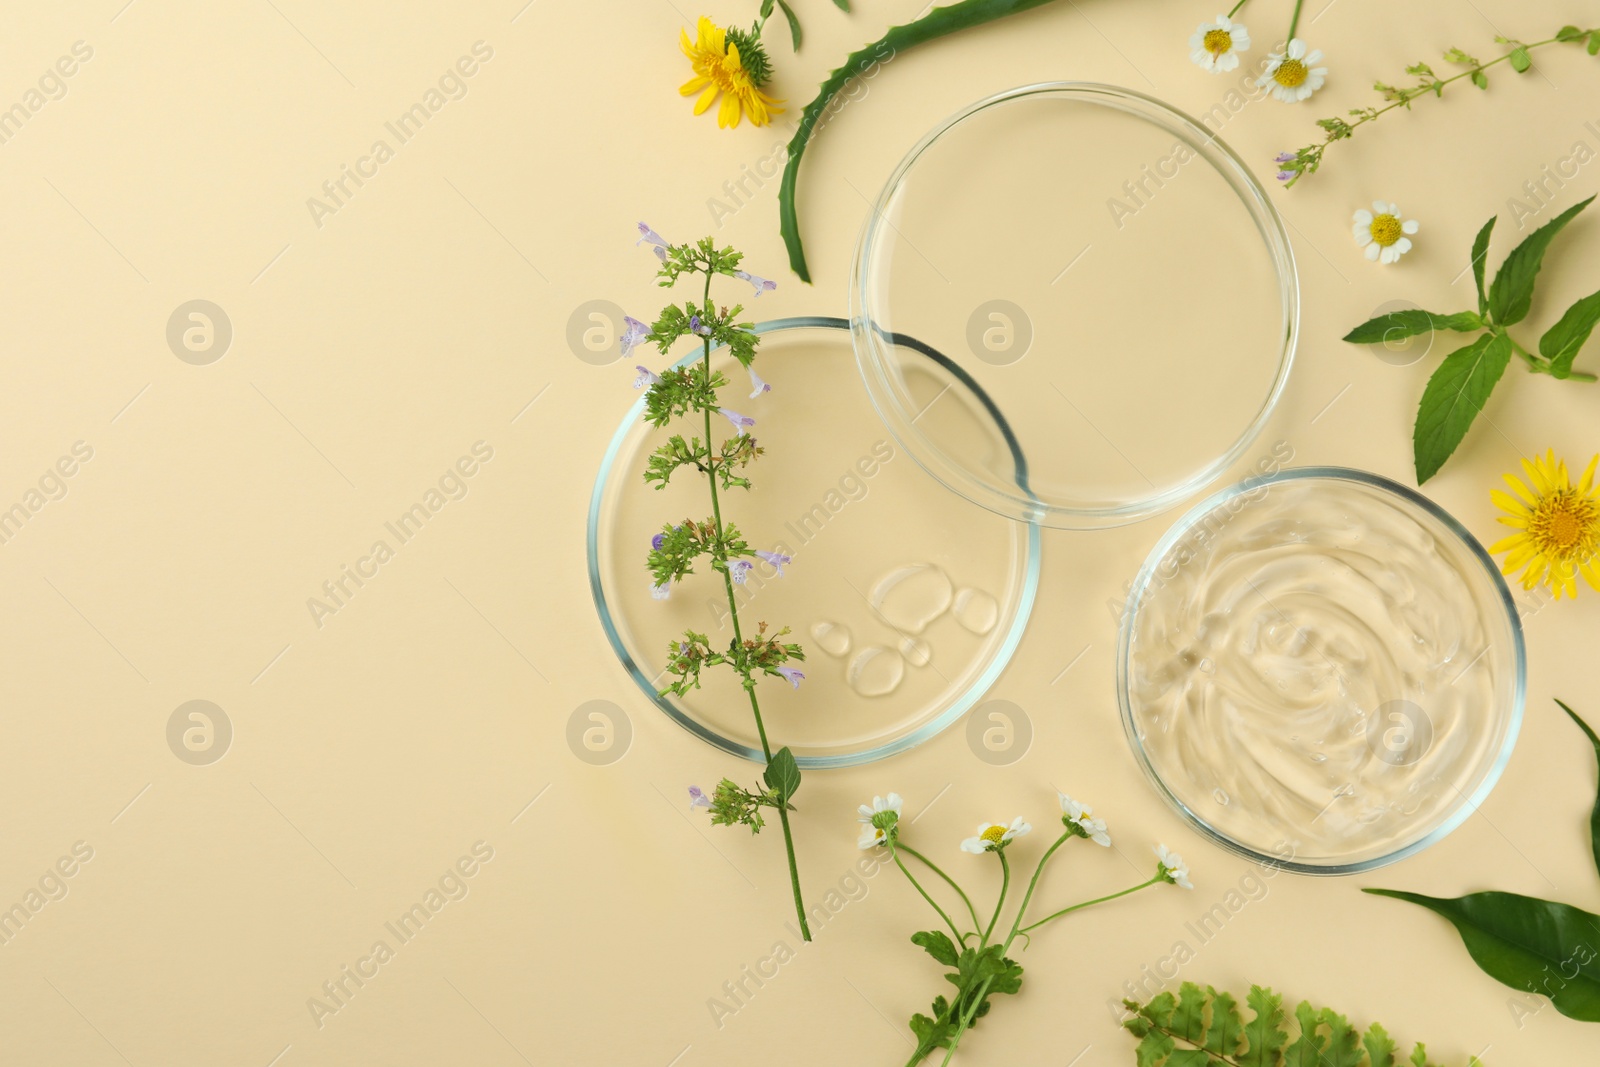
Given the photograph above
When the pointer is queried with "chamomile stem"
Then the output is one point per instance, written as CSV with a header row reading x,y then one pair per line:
x,y
1005,883
976,923
1032,885
960,937
1236,8
1098,900
1294,20
738,640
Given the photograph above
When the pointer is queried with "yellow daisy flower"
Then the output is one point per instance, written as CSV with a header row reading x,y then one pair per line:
x,y
1558,526
718,68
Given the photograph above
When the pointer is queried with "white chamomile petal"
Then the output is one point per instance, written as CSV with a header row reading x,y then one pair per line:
x,y
1409,226
1297,49
1403,245
1363,217
1374,250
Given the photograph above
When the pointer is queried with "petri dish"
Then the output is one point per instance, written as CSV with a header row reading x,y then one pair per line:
x,y
908,602
1103,268
1321,670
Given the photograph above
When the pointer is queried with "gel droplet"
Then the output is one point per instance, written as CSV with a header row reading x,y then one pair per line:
x,y
1221,797
911,597
976,610
915,651
831,637
875,671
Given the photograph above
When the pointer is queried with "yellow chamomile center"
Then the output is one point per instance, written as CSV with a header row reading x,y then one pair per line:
x,y
1290,73
1565,525
993,834
1218,42
1385,230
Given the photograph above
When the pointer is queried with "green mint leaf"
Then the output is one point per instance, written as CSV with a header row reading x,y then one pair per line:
x,y
1520,60
1512,292
937,945
1561,342
1264,1033
1521,940
1379,1046
782,775
1454,396
1397,325
1226,1035
794,23
1594,818
1480,245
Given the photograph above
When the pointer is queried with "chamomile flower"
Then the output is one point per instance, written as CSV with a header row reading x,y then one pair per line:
x,y
879,820
1557,524
1293,75
993,836
1171,868
1382,232
1079,818
1215,46
732,64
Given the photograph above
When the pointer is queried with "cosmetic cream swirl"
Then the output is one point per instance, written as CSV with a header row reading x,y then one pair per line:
x,y
1319,668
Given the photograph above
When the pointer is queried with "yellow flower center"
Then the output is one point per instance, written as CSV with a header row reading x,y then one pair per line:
x,y
1565,525
1290,73
1385,230
1217,41
993,834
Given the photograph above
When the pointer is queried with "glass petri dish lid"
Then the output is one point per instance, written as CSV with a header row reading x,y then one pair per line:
x,y
1103,268
908,602
1321,670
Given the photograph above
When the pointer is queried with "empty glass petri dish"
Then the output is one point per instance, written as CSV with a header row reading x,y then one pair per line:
x,y
1104,269
908,607
1321,670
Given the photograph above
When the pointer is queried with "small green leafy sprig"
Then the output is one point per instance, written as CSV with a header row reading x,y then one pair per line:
x,y
691,392
1542,947
1461,385
1292,166
789,16
983,966
1202,1027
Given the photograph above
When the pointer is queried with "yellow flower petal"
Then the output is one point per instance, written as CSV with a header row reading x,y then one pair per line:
x,y
728,115
706,98
1506,502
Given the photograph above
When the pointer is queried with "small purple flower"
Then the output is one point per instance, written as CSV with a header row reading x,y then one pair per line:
x,y
757,386
635,334
698,799
1285,175
742,423
1283,157
791,675
696,326
662,591
777,559
761,284
647,234
661,253
646,377
657,541
739,570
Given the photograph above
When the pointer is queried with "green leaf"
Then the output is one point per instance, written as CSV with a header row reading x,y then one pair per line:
x,y
1159,1011
1264,1032
1380,1047
940,947
1512,292
1454,396
1307,1048
1523,941
1594,818
1191,1057
1401,324
1153,1050
1561,342
1480,253
1571,33
935,24
1189,1021
842,5
1520,61
794,23
1226,1035
1594,44
782,775
1480,79
1419,1055
1344,1041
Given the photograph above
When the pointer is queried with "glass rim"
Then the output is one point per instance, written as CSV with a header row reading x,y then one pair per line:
x,y
1465,805
938,724
897,410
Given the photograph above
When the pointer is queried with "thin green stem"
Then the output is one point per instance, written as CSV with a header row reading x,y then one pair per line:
x,y
1294,20
1005,883
976,922
1033,884
1098,900
934,904
738,639
1236,8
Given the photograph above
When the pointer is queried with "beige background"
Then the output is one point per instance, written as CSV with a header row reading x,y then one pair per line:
x,y
430,712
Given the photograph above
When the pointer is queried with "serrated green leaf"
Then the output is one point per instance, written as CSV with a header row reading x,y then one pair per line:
x,y
1520,60
1344,1041
1264,1032
1594,818
1397,325
1419,1055
1192,1057
1480,253
1189,1020
1453,397
1154,1050
794,24
1159,1010
1521,941
1225,1036
1306,1051
1511,294
937,945
1561,342
782,775
1379,1046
